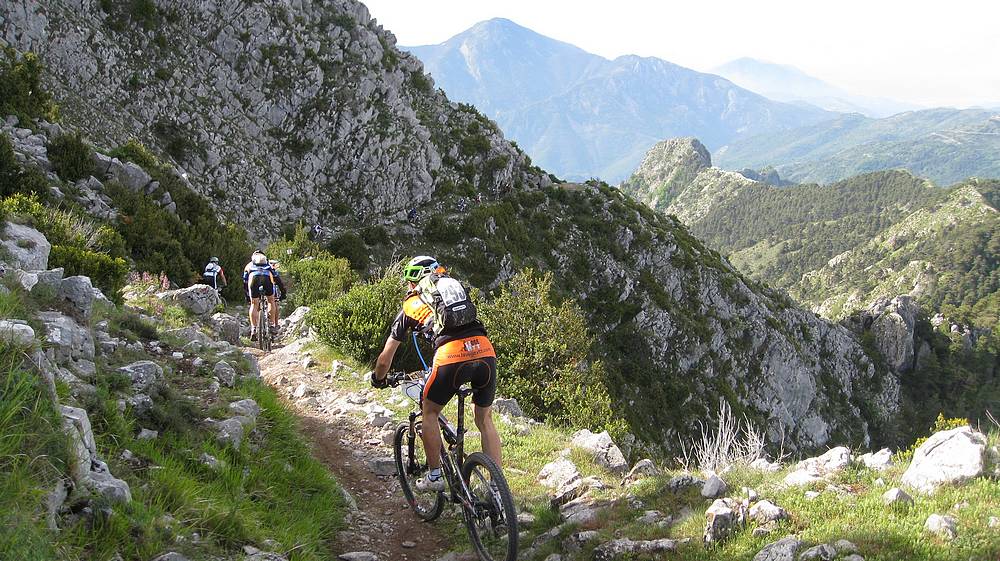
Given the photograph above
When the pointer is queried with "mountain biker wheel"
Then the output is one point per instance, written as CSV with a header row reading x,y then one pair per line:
x,y
264,324
410,466
488,522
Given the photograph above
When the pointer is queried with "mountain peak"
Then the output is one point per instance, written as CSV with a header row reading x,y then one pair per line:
x,y
669,167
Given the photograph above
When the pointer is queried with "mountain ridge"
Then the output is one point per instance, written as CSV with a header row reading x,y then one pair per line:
x,y
600,115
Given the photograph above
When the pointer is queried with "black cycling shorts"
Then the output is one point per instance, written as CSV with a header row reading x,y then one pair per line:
x,y
261,281
470,360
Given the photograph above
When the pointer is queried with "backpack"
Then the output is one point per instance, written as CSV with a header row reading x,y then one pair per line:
x,y
448,300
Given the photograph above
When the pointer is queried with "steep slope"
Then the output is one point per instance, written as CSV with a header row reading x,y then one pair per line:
x,y
277,113
583,116
782,82
676,326
944,145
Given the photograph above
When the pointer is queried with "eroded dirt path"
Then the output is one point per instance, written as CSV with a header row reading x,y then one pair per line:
x,y
345,443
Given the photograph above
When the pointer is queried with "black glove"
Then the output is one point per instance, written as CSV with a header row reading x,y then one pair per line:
x,y
283,297
379,384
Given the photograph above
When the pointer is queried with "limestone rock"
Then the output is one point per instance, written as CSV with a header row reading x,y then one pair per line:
x,y
606,453
943,526
27,247
199,299
88,471
714,487
893,324
765,511
508,407
896,496
143,373
821,552
294,326
947,457
617,549
79,292
642,469
245,408
225,373
722,518
815,469
227,326
559,473
781,550
69,340
17,333
878,461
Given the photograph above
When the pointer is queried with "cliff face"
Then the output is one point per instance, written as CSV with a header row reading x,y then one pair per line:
x,y
278,111
286,111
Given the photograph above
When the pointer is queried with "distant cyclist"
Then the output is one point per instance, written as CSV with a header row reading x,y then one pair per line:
x,y
214,275
439,307
260,277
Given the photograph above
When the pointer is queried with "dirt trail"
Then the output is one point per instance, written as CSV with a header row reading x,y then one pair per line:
x,y
348,446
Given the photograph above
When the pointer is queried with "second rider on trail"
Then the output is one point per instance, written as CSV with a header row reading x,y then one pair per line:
x,y
259,276
437,306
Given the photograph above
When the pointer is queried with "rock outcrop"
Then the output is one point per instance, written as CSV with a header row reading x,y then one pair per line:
x,y
947,457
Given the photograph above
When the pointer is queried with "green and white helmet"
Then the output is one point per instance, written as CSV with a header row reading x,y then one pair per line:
x,y
419,267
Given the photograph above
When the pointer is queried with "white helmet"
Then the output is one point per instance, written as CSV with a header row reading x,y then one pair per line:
x,y
258,258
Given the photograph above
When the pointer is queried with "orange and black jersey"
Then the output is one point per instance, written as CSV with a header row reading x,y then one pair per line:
x,y
415,314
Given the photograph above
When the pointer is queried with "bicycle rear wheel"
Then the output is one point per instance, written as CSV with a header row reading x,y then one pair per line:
x,y
411,464
492,523
262,331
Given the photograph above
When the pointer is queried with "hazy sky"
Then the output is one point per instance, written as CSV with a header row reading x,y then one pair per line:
x,y
925,52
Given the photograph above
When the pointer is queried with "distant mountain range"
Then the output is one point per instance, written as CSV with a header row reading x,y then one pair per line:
x,y
580,115
782,82
943,145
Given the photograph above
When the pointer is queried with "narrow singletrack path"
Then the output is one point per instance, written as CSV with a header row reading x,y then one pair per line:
x,y
382,522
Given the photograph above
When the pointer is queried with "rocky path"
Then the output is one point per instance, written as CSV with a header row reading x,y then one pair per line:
x,y
355,450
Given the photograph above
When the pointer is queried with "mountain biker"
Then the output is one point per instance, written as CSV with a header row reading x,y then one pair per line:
x,y
461,354
214,274
260,274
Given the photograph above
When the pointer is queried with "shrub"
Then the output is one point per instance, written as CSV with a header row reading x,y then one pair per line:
x,y
350,246
62,227
358,322
542,350
105,272
21,91
71,157
318,279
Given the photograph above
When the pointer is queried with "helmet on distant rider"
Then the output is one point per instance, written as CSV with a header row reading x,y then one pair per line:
x,y
419,267
258,258
213,260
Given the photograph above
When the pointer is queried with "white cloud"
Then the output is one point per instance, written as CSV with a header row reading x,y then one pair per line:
x,y
925,52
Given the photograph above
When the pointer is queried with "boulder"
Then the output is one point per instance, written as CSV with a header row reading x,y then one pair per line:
x,y
88,471
171,556
27,247
230,431
942,526
245,408
79,293
617,549
225,373
50,279
714,487
896,496
68,339
190,334
815,469
821,552
878,461
722,518
559,473
509,407
143,373
227,326
199,299
781,550
766,511
642,469
294,326
681,483
16,332
947,457
606,453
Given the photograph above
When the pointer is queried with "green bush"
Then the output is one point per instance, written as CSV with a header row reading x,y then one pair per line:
x,y
62,227
358,322
319,279
21,91
16,179
350,246
71,157
542,355
105,272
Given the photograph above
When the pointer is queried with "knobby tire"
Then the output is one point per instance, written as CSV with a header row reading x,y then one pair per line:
x,y
405,451
491,507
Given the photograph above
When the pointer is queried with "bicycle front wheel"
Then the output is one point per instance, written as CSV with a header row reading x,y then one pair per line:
x,y
411,464
492,522
263,337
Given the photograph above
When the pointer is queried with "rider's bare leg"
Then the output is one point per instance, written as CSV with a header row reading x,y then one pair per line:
x,y
274,310
254,307
431,434
488,433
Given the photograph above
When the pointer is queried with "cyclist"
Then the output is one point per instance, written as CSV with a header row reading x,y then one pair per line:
x,y
461,354
256,275
214,274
